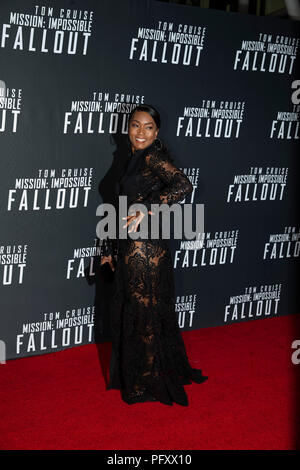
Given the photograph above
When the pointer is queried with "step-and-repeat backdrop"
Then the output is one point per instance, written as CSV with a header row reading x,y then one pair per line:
x,y
227,87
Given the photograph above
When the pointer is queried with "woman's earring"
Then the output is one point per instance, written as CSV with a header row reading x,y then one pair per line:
x,y
158,143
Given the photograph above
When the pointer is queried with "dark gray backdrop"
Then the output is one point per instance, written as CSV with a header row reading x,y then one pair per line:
x,y
51,299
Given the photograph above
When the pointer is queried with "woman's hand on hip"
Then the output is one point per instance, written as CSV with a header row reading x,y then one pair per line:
x,y
135,220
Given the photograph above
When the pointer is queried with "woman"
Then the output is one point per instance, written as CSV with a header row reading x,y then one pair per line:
x,y
149,361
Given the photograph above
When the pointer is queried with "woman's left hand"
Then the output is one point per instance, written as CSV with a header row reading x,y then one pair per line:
x,y
135,220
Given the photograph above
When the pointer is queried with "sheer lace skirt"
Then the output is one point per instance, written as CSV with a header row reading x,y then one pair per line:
x,y
149,361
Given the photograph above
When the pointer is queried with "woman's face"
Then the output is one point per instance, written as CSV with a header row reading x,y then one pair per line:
x,y
142,130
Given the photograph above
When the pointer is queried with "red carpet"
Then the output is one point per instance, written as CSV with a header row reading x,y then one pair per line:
x,y
59,401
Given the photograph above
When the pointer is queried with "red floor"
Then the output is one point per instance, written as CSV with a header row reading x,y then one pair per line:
x,y
250,401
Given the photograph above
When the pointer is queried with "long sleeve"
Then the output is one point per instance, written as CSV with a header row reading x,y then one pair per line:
x,y
108,247
177,185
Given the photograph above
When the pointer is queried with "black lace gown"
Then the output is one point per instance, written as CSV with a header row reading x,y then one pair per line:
x,y
149,360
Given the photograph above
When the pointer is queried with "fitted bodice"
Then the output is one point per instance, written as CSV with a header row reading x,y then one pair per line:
x,y
150,177
131,181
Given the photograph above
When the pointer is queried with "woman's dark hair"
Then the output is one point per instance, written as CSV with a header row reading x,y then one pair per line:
x,y
147,109
156,117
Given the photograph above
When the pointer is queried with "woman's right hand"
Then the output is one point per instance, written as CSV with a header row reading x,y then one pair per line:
x,y
135,220
109,260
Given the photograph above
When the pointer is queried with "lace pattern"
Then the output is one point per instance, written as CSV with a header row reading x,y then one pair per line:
x,y
150,361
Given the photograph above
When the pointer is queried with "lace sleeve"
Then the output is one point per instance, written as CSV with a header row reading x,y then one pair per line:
x,y
178,186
